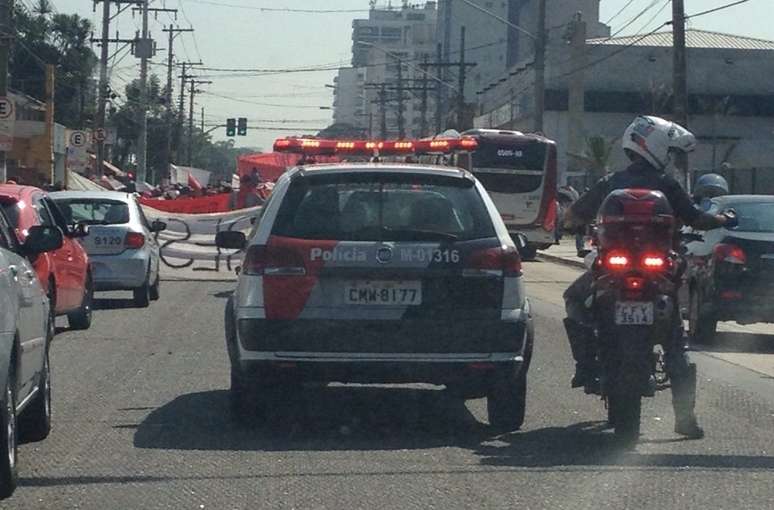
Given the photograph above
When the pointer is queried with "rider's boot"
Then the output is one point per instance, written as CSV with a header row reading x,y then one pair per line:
x,y
684,403
581,343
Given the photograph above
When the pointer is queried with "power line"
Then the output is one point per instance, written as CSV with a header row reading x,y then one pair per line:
x,y
653,18
713,10
277,9
635,18
620,11
238,100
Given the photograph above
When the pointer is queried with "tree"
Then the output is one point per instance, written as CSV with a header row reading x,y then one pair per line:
x,y
597,155
217,157
62,40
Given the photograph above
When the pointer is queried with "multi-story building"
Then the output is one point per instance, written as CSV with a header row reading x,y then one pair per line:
x,y
348,98
389,48
730,101
495,46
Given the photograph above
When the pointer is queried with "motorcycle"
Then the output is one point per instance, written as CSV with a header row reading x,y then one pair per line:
x,y
634,302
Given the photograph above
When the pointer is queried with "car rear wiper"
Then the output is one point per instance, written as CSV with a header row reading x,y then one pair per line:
x,y
420,234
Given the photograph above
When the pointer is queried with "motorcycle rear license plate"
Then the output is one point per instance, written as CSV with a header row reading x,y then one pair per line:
x,y
633,313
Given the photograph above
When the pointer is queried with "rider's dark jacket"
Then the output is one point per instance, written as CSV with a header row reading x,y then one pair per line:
x,y
641,175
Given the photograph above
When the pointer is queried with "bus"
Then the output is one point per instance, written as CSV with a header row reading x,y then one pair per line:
x,y
520,173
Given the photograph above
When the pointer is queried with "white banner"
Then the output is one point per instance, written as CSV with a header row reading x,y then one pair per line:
x,y
190,238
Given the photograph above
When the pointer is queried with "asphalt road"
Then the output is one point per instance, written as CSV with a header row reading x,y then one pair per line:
x,y
141,421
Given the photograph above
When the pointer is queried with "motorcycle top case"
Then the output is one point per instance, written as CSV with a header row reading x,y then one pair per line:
x,y
635,218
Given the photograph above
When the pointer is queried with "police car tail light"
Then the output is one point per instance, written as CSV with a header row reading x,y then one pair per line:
x,y
730,253
273,261
504,261
134,240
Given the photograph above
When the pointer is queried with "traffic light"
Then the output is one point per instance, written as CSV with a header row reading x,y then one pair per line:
x,y
242,126
230,127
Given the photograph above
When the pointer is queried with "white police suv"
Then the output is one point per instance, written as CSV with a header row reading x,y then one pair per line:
x,y
379,273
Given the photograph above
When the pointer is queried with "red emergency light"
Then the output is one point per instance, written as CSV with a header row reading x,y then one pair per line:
x,y
315,146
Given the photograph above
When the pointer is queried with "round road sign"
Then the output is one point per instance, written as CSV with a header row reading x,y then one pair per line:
x,y
78,139
6,108
99,135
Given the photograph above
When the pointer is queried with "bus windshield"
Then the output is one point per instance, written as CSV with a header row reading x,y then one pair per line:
x,y
510,167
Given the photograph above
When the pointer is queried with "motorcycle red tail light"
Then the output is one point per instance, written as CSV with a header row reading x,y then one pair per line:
x,y
634,283
730,253
654,262
134,240
617,261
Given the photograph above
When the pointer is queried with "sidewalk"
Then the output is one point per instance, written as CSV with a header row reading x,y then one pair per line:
x,y
563,253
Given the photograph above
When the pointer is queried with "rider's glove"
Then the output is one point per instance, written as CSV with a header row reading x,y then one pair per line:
x,y
732,220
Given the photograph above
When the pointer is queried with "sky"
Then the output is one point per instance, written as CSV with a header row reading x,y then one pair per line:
x,y
239,34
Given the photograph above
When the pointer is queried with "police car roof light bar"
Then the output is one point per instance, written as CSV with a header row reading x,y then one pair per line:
x,y
320,147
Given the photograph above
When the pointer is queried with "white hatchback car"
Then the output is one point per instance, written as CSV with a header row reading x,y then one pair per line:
x,y
121,242
380,273
25,335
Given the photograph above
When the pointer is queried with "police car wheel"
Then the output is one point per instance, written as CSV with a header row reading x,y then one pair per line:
x,y
507,401
529,252
240,396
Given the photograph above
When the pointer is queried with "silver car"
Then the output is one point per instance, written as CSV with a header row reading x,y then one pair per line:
x,y
26,331
121,242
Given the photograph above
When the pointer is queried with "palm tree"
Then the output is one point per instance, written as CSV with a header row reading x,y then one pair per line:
x,y
597,156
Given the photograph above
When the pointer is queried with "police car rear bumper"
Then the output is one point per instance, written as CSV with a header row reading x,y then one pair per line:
x,y
435,352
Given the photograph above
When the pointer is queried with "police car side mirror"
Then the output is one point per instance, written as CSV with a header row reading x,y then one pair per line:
x,y
520,240
230,240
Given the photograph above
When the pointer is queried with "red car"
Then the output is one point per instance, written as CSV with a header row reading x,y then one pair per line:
x,y
64,273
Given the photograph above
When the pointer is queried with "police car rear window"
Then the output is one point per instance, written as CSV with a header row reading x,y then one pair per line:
x,y
383,207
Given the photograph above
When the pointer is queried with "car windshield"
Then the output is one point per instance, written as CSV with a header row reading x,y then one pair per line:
x,y
94,211
383,207
754,216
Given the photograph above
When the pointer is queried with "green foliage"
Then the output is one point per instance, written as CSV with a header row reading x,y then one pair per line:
x,y
44,37
217,157
597,154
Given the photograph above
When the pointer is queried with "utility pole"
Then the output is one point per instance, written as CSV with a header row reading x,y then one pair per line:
x,y
382,95
401,123
191,95
577,89
443,58
680,77
103,86
180,124
146,51
461,96
6,26
145,48
423,125
540,68
172,31
438,95
462,65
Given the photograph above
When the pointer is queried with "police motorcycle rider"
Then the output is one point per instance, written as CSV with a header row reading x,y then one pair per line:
x,y
707,187
648,142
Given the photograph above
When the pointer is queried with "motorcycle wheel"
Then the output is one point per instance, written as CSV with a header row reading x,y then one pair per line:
x,y
624,415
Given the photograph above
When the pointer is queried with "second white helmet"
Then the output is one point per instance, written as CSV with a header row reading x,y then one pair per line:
x,y
654,137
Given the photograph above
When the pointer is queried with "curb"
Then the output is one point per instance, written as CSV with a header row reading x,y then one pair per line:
x,y
561,260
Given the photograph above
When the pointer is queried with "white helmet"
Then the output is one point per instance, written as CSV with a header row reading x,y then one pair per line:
x,y
654,137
